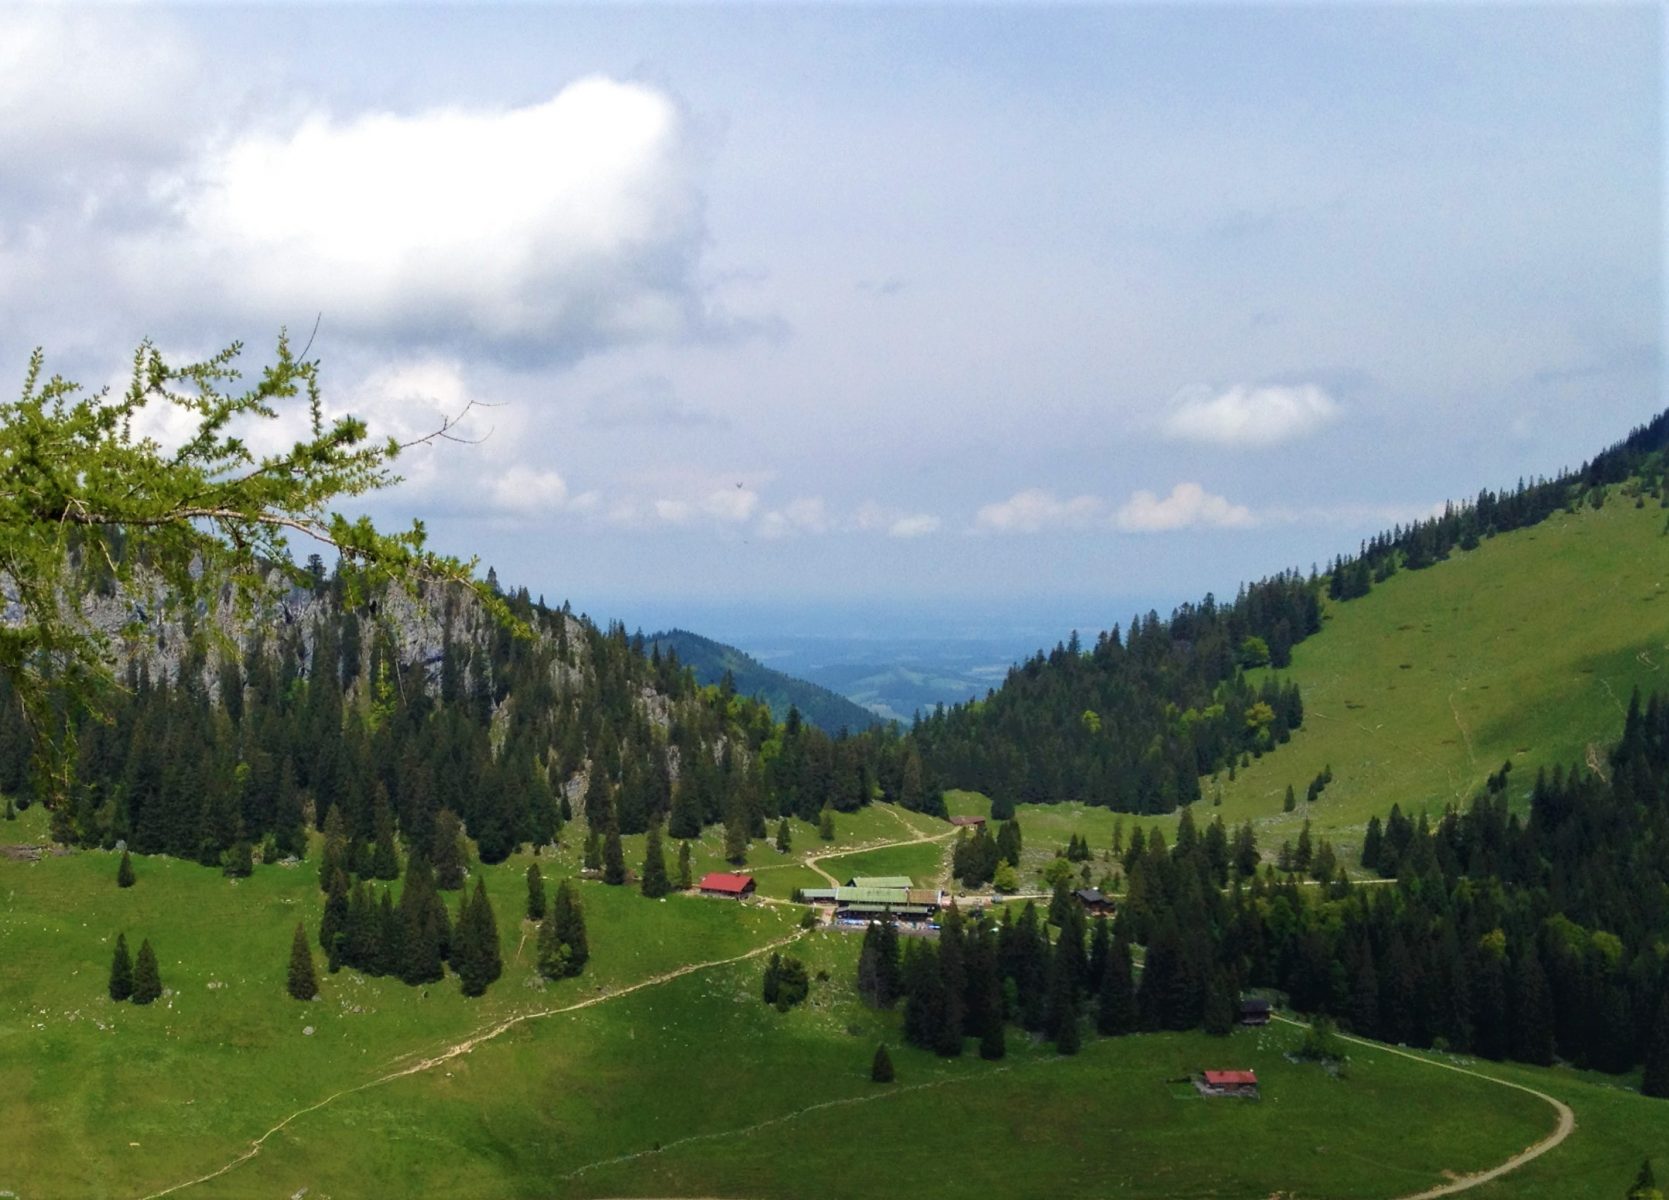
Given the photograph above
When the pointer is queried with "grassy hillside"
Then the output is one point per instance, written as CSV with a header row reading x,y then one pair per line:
x,y
1523,651
827,710
686,1086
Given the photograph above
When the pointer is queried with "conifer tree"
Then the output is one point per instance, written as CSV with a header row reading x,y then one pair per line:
x,y
1654,1081
334,856
535,893
333,925
147,980
1061,1015
447,856
1291,800
303,982
124,871
826,824
880,1067
421,931
563,948
614,857
476,955
736,830
784,837
593,860
392,956
1220,1005
385,860
685,879
655,882
1116,1002
121,971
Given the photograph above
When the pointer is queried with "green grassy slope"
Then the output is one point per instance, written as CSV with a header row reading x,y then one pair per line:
x,y
774,1103
1523,651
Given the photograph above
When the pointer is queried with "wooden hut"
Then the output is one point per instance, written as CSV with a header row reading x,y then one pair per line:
x,y
732,887
1228,1083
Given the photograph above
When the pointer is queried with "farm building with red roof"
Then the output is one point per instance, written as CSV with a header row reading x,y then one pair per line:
x,y
1228,1083
736,887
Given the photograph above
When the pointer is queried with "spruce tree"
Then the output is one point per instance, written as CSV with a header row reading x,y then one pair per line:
x,y
147,980
476,955
1220,1005
447,855
333,925
880,1067
1116,1002
593,860
121,971
736,830
784,837
1290,802
563,948
685,879
124,871
420,928
535,893
385,860
334,857
826,824
1654,1080
614,858
655,882
303,982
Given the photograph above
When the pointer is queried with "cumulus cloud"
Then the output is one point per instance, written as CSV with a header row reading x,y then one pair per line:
x,y
1189,505
914,526
541,232
79,88
1035,509
1249,416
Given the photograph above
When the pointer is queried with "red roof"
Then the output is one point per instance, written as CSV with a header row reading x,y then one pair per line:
x,y
718,881
1231,1078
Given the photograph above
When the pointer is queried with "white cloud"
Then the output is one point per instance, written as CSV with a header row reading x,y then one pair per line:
x,y
674,512
808,514
1249,416
79,89
914,526
529,492
543,232
1035,509
732,505
1187,506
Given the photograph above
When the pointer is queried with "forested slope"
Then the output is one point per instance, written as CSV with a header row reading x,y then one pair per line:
x,y
398,709
1134,722
712,661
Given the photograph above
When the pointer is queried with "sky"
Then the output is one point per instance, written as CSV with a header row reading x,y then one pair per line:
x,y
983,315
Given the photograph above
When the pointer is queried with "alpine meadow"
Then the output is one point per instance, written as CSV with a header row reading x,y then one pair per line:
x,y
1288,382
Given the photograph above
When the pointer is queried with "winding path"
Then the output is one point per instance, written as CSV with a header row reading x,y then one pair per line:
x,y
467,1045
1562,1130
492,1031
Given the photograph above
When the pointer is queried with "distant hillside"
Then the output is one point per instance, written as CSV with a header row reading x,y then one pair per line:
x,y
1511,628
710,660
1523,650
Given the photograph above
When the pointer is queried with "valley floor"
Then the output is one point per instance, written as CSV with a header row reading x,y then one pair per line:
x,y
660,1072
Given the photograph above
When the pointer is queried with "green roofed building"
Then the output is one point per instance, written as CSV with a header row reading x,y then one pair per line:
x,y
901,882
